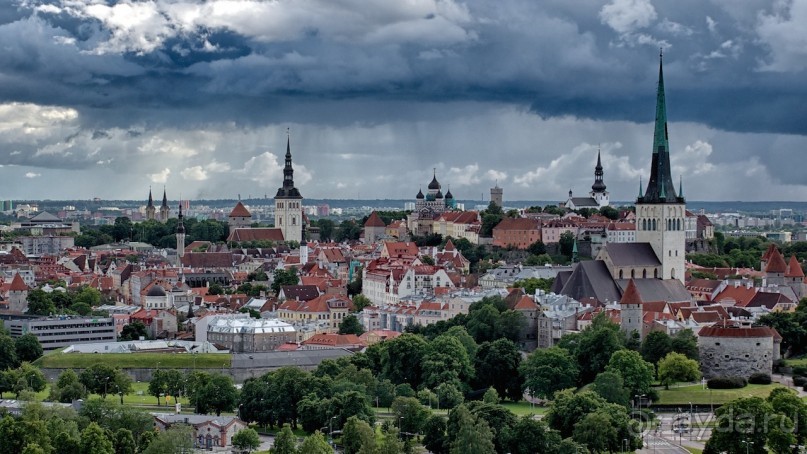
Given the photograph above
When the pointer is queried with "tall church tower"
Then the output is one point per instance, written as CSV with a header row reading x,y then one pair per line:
x,y
164,209
180,236
598,192
289,203
497,195
151,211
660,212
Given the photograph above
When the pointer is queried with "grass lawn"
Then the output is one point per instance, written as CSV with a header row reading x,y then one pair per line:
x,y
140,397
694,450
137,360
796,361
699,396
524,408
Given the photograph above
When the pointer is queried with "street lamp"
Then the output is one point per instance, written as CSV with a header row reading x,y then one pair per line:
x,y
330,432
746,443
400,426
691,421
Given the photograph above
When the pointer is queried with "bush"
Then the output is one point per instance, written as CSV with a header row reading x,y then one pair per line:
x,y
799,370
727,383
760,378
799,380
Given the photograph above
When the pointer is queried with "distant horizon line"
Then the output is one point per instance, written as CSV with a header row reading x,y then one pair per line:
x,y
382,200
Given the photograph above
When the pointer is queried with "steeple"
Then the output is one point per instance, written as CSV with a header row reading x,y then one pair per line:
x,y
165,200
680,186
660,188
151,199
288,189
180,223
599,185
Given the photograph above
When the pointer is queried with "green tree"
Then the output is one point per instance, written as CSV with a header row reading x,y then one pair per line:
x,y
285,441
636,372
28,348
27,378
133,331
215,289
67,388
472,435
676,367
497,364
411,414
566,243
391,444
537,248
446,361
95,441
448,396
740,426
482,322
102,378
177,439
593,347
315,444
510,325
655,346
351,325
530,285
124,442
491,396
33,448
284,277
529,436
8,352
402,361
465,339
547,371
67,443
217,395
360,302
569,408
434,435
357,434
611,387
686,343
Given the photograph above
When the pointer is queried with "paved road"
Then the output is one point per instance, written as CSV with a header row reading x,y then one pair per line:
x,y
654,444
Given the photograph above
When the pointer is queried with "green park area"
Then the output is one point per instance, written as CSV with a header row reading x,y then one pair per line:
x,y
136,360
699,396
139,397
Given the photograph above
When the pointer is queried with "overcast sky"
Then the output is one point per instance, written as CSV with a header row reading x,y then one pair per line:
x,y
104,98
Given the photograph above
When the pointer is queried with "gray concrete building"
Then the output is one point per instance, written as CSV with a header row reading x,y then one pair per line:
x,y
249,335
60,332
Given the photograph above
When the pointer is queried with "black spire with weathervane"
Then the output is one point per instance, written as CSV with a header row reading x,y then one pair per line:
x,y
599,185
660,188
288,189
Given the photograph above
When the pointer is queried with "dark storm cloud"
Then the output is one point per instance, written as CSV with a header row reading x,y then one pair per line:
x,y
560,58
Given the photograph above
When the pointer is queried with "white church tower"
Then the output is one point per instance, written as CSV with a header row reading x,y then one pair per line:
x,y
289,204
660,212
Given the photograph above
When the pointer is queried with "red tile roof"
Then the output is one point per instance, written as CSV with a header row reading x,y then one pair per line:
x,y
335,340
727,329
631,295
374,221
240,211
255,234
794,268
17,284
777,263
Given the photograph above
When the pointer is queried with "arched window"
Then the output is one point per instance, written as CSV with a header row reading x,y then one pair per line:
x,y
621,275
672,273
632,274
644,274
655,273
644,224
679,224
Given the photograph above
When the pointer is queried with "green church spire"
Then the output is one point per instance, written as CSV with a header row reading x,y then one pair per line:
x,y
660,187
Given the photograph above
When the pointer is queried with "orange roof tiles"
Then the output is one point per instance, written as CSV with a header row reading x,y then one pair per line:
x,y
240,211
631,295
776,264
794,268
17,284
374,221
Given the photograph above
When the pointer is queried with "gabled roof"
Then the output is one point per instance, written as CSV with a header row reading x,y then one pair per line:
x,y
632,254
591,279
740,294
449,247
374,221
255,234
45,217
300,292
240,211
525,303
667,290
768,300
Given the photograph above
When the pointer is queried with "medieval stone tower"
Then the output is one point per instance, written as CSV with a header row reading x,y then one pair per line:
x,y
631,310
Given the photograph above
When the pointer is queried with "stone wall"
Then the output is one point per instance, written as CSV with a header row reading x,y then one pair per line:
x,y
735,356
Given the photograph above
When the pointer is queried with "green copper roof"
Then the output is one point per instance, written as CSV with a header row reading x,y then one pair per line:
x,y
660,138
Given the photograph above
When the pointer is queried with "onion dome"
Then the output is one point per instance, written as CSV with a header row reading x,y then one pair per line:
x,y
449,195
439,195
434,184
156,291
420,194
